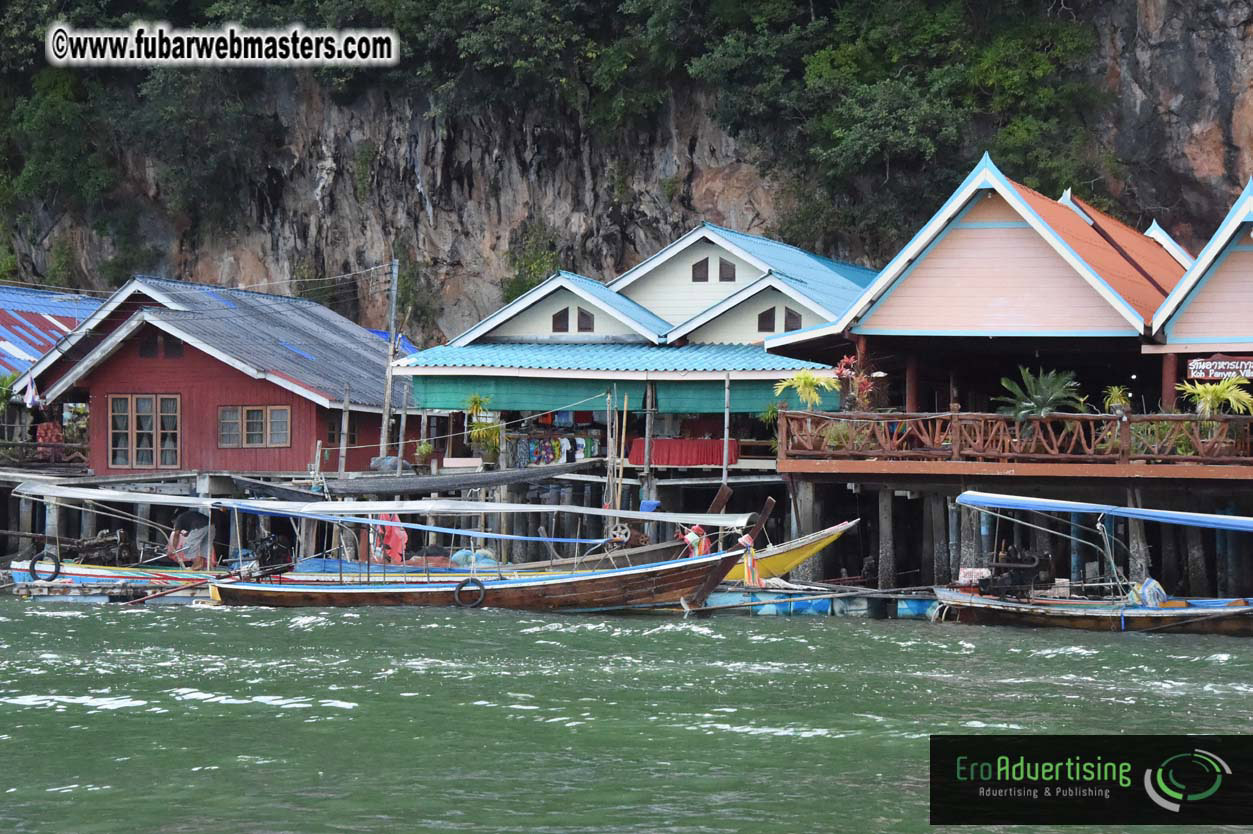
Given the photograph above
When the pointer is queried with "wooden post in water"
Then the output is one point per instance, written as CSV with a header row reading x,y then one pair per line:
x,y
887,545
1137,543
1198,575
954,539
806,521
1077,556
1170,558
926,569
87,522
52,523
26,524
971,531
939,541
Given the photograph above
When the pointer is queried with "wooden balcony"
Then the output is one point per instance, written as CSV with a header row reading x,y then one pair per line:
x,y
959,443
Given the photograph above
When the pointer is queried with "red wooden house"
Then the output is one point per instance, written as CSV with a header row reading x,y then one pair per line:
x,y
182,376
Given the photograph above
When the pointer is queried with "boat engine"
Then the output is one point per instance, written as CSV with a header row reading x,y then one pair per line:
x,y
1012,571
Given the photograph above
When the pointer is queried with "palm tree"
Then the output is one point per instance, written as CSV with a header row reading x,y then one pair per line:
x,y
1040,394
1211,398
809,387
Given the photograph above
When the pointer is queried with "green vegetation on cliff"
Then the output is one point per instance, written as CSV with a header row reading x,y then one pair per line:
x,y
869,111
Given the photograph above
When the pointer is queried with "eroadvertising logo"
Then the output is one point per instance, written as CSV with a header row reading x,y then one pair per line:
x,y
1098,779
1193,776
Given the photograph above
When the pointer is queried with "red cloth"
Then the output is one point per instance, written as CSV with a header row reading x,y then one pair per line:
x,y
394,539
682,451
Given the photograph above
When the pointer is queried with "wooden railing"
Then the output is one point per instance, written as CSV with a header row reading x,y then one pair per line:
x,y
1059,438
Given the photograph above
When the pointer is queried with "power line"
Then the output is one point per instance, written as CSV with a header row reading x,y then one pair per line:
x,y
200,287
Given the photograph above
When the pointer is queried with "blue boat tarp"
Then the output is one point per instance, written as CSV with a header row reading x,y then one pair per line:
x,y
994,501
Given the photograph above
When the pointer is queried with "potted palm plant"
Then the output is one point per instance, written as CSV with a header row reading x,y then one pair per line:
x,y
1039,395
809,387
1211,399
484,432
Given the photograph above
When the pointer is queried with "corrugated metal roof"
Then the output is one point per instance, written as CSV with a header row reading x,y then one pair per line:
x,y
620,303
32,321
608,357
299,339
800,264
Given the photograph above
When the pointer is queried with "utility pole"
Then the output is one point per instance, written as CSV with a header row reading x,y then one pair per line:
x,y
391,356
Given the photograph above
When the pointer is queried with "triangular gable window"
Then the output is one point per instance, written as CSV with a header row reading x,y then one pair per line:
x,y
700,271
791,320
765,321
587,321
561,320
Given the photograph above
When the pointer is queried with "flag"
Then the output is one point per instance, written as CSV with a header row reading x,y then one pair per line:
x,y
31,397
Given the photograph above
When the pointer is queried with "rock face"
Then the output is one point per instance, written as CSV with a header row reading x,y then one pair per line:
x,y
1180,73
356,182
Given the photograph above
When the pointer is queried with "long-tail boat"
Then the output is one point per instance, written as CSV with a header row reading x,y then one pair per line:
x,y
1017,597
686,582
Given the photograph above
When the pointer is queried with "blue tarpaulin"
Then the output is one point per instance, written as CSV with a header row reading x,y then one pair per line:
x,y
993,501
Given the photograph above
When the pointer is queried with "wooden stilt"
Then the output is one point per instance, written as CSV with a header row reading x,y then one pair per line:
x,y
1170,559
954,539
939,541
887,543
1199,584
26,524
970,535
926,570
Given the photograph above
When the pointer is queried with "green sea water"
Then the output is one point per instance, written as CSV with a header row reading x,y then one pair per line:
x,y
245,720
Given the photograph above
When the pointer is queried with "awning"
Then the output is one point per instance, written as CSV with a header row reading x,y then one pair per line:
x,y
749,396
988,500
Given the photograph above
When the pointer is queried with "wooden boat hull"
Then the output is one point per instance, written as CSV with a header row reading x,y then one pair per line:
x,y
625,588
1093,615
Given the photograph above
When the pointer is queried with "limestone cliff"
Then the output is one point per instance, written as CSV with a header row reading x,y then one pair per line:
x,y
1179,74
451,196
354,182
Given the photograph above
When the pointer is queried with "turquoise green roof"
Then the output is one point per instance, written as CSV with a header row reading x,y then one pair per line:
x,y
607,357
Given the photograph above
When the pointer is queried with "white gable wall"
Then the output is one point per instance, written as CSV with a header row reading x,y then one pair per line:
x,y
668,290
536,321
739,324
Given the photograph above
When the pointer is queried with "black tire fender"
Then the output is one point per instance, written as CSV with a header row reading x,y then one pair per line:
x,y
48,556
461,586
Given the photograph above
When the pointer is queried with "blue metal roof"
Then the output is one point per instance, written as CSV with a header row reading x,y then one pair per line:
x,y
829,282
32,321
405,347
619,303
607,357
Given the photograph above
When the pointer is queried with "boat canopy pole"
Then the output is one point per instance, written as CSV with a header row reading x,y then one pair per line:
x,y
1038,527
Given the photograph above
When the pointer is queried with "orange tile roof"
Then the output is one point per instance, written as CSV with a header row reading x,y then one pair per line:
x,y
1120,270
